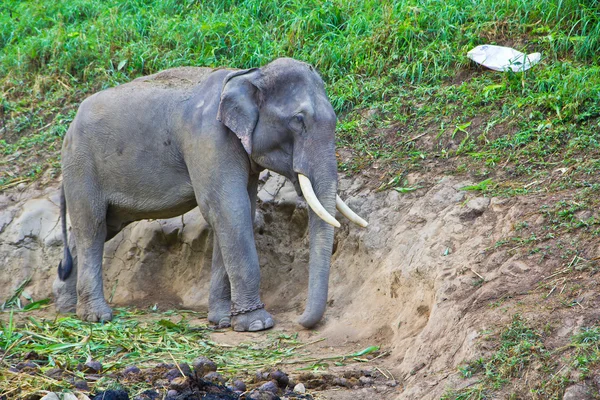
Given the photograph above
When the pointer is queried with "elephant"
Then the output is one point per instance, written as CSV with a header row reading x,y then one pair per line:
x,y
162,144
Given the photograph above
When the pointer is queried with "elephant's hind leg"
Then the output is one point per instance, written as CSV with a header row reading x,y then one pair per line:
x,y
65,292
88,219
219,299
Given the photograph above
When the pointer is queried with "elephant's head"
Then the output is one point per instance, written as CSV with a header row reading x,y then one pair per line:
x,y
286,124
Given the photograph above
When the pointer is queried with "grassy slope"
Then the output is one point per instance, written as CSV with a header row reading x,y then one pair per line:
x,y
407,97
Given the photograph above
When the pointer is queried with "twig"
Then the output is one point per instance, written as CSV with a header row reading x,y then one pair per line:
x,y
176,364
475,272
416,137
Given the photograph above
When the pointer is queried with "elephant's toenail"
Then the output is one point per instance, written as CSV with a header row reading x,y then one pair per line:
x,y
256,326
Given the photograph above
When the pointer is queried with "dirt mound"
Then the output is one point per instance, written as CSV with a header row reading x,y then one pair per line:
x,y
418,281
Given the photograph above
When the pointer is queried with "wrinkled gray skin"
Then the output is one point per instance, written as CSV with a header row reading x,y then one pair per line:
x,y
187,137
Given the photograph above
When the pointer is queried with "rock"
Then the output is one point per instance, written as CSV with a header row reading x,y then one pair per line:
x,y
239,386
111,395
172,393
577,392
93,367
270,386
131,369
203,366
69,396
299,388
81,385
214,377
280,377
392,383
50,396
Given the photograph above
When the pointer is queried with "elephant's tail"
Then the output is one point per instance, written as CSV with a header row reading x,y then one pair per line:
x,y
66,265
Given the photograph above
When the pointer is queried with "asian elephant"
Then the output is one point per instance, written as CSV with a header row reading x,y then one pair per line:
x,y
163,144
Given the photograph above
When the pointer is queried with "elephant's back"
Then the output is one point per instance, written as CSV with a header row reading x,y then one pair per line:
x,y
176,78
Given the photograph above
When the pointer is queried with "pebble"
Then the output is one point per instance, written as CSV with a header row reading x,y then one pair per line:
x,y
50,396
392,383
270,386
203,365
299,388
81,385
280,377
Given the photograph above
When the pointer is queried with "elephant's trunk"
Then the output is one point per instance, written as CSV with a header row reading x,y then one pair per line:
x,y
324,183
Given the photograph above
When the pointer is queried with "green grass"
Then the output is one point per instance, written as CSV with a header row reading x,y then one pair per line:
x,y
134,337
519,350
403,60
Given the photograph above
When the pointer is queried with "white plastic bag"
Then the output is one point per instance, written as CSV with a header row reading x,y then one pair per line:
x,y
501,58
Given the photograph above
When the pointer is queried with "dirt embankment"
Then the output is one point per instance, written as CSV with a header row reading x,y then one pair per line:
x,y
423,280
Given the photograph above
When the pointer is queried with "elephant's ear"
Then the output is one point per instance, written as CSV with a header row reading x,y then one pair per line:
x,y
238,109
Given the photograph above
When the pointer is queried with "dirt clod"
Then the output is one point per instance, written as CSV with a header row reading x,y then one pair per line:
x,y
180,383
93,367
239,386
81,385
280,377
270,386
131,369
111,395
215,377
203,365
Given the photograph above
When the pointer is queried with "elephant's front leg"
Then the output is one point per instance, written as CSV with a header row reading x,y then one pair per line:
x,y
219,300
232,222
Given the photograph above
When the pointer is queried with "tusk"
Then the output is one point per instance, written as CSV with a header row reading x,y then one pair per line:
x,y
313,201
348,213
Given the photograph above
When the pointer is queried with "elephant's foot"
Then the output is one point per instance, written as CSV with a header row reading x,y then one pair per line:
x,y
252,321
94,311
220,314
65,296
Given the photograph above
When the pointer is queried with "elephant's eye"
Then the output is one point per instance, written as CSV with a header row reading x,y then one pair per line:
x,y
297,123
